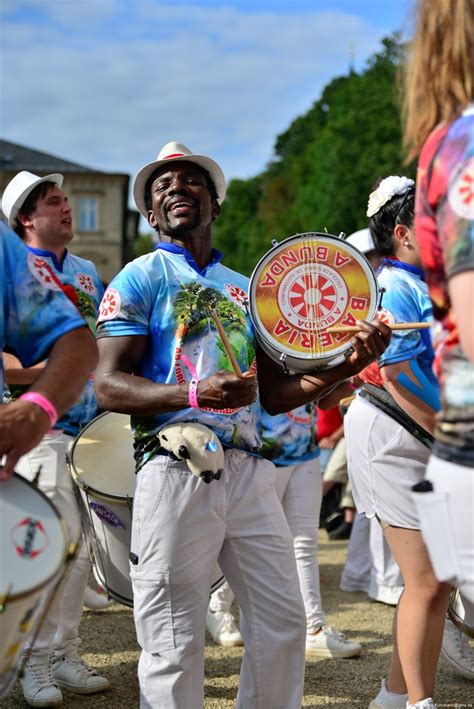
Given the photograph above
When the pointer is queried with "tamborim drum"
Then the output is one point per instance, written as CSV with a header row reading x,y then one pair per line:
x,y
300,288
103,468
33,560
461,612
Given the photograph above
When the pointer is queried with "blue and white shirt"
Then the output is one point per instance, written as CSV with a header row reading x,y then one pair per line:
x,y
34,311
290,438
166,297
406,300
79,280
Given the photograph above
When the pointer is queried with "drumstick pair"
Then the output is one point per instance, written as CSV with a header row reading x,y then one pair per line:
x,y
342,329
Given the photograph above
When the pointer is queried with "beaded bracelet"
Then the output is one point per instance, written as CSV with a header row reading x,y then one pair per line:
x,y
192,394
44,404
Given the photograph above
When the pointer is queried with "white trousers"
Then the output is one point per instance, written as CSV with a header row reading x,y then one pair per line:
x,y
181,528
447,523
369,560
60,629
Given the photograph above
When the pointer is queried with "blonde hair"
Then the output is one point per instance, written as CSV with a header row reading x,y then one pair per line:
x,y
438,77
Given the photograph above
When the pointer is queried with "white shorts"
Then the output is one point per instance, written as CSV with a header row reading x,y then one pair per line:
x,y
384,462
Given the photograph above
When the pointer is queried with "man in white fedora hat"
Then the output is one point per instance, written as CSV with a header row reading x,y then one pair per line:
x,y
163,361
40,214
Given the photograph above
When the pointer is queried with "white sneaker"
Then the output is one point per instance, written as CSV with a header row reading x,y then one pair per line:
x,y
427,703
388,700
327,642
457,651
40,688
96,601
390,595
223,629
71,672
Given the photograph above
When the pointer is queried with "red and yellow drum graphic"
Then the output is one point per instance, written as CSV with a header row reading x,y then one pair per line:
x,y
304,285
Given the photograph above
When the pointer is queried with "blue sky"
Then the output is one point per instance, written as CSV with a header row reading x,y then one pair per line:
x,y
107,82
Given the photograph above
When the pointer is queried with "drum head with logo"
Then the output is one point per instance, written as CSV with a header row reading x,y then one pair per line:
x,y
306,284
34,538
102,456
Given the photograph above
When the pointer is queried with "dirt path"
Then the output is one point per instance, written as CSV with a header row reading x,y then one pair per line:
x,y
109,645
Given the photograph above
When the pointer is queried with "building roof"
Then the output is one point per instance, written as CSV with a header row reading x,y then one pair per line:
x,y
14,157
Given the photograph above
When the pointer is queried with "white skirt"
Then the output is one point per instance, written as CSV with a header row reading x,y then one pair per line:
x,y
384,462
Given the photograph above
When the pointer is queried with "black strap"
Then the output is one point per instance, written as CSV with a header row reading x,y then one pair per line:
x,y
383,400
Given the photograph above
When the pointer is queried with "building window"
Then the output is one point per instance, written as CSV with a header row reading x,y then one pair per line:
x,y
88,214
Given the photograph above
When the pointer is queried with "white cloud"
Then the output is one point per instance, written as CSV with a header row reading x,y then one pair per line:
x,y
106,83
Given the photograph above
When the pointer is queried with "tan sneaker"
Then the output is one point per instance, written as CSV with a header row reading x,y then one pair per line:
x,y
72,673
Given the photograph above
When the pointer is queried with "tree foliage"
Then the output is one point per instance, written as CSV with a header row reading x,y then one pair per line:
x,y
324,165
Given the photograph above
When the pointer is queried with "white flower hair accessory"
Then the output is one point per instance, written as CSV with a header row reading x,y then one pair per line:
x,y
388,188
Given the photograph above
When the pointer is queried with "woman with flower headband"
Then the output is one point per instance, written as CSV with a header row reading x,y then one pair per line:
x,y
388,430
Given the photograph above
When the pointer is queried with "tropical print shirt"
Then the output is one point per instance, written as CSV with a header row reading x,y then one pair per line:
x,y
166,297
34,311
444,223
290,438
79,280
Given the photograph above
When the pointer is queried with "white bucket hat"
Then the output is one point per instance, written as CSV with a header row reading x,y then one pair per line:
x,y
174,152
362,240
18,189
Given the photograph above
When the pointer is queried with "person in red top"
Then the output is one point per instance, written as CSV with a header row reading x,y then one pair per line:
x,y
439,127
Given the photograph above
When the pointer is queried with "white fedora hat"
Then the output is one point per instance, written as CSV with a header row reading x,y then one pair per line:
x,y
174,152
362,240
18,189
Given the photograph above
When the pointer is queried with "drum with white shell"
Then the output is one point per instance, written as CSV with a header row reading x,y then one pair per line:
x,y
103,468
34,554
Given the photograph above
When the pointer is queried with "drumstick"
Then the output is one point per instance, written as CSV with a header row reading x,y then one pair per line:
x,y
226,343
395,326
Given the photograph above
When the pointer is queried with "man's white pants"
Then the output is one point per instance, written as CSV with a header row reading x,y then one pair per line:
x,y
60,629
181,528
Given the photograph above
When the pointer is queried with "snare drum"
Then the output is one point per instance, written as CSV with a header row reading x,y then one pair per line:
x,y
301,287
34,554
102,466
461,612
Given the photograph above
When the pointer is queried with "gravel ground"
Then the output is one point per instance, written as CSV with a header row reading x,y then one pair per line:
x,y
109,645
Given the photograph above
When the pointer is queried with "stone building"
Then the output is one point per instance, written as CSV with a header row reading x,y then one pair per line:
x,y
104,226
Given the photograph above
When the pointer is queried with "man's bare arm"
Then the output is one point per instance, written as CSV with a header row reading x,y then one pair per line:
x,y
279,392
119,386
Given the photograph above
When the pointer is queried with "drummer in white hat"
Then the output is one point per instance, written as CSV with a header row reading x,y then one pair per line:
x,y
40,214
162,361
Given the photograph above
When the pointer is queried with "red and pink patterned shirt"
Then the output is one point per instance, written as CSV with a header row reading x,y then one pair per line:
x,y
444,224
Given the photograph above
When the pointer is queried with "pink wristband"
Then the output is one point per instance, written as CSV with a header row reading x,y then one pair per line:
x,y
193,399
44,404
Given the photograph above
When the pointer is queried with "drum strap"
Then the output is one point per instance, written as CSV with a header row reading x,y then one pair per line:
x,y
383,400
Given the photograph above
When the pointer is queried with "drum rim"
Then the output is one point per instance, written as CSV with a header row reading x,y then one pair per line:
x,y
81,482
455,618
64,557
261,332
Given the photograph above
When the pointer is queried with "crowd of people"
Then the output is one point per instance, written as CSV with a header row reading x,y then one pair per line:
x,y
406,442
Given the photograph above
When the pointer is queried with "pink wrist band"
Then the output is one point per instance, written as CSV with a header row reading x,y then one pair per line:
x,y
193,399
44,404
